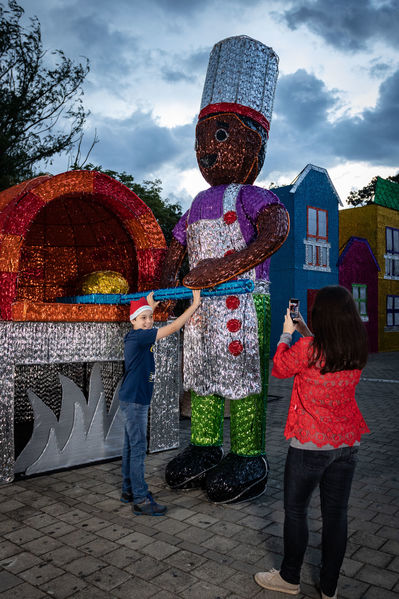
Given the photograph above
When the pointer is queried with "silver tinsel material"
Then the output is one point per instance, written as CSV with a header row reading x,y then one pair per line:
x,y
262,286
85,431
164,411
29,349
244,71
221,350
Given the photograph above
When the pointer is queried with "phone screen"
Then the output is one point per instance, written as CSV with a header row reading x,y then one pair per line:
x,y
294,308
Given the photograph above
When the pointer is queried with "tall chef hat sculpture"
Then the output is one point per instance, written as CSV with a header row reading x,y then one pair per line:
x,y
241,78
230,231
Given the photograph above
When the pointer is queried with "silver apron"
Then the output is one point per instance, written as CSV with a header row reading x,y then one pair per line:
x,y
221,350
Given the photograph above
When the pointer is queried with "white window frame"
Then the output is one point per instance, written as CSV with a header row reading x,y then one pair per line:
x,y
311,248
391,257
316,244
395,311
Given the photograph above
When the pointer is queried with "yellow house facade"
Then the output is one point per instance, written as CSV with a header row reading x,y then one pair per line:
x,y
380,226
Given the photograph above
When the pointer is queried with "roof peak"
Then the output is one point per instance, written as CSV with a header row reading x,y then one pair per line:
x,y
303,174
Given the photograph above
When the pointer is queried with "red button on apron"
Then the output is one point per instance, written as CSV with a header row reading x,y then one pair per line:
x,y
229,252
230,217
234,325
232,302
235,348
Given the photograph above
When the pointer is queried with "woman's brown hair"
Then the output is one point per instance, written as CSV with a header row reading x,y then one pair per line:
x,y
340,338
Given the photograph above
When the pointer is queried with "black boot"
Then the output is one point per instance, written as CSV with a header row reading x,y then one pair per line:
x,y
189,468
237,478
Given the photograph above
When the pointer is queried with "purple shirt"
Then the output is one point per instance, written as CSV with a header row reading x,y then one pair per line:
x,y
250,202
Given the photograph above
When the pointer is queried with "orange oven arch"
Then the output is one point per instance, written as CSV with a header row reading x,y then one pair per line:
x,y
55,229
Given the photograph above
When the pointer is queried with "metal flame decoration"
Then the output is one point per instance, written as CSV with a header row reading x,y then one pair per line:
x,y
36,345
85,431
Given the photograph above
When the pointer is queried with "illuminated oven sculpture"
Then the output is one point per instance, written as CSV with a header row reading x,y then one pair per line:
x,y
61,363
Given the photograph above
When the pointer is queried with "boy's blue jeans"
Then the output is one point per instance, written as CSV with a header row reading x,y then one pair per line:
x,y
332,471
134,449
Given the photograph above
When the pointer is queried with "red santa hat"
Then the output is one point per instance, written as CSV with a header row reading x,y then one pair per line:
x,y
138,306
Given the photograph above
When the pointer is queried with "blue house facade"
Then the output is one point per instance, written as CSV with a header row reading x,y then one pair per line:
x,y
308,259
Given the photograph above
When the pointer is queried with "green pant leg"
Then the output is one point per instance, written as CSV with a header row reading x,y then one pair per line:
x,y
207,418
248,415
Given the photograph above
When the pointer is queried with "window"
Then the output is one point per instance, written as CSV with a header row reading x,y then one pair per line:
x,y
359,293
392,310
391,253
317,223
317,248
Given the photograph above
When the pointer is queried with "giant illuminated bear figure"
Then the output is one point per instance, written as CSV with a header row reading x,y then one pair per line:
x,y
230,231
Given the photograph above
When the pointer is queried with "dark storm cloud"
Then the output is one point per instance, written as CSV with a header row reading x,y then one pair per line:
x,y
140,146
107,50
379,70
189,68
198,61
86,32
179,7
300,118
303,100
117,57
301,131
374,134
347,24
186,8
173,76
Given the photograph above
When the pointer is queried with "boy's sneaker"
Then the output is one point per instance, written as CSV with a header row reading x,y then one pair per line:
x,y
273,582
127,497
149,507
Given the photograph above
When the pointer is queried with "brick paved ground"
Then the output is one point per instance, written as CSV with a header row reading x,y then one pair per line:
x,y
67,535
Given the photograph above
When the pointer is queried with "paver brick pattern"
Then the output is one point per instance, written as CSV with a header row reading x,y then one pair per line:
x,y
66,535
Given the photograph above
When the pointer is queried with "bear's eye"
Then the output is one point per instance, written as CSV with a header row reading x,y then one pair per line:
x,y
221,135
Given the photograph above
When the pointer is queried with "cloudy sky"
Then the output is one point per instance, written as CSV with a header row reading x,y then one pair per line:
x,y
337,99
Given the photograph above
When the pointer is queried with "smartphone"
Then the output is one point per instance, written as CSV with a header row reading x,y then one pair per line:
x,y
294,308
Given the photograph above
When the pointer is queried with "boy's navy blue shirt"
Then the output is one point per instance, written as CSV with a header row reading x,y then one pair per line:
x,y
138,380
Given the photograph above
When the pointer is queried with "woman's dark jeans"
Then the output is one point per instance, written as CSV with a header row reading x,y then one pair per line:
x,y
333,471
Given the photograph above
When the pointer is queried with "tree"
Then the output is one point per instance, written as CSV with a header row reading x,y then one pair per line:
x,y
34,98
365,195
166,213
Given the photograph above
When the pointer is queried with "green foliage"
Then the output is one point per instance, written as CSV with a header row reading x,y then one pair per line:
x,y
166,213
34,98
365,195
273,185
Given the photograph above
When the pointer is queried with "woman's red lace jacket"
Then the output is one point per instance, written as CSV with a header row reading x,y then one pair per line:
x,y
323,408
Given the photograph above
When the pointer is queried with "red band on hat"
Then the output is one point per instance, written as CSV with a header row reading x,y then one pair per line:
x,y
239,109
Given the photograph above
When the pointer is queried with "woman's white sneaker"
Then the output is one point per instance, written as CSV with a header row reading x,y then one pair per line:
x,y
273,582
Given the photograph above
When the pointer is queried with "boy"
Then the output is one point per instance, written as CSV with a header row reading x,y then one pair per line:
x,y
135,398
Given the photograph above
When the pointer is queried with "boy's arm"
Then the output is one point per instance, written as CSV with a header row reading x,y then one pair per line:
x,y
177,324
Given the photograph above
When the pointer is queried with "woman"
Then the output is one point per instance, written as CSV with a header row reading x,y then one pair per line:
x,y
325,427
